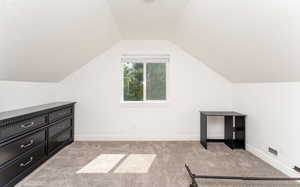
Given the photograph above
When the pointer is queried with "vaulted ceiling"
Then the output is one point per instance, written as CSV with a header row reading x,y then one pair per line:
x,y
245,41
147,19
46,40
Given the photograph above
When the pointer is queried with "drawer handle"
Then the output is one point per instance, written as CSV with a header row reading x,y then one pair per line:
x,y
27,145
28,125
25,164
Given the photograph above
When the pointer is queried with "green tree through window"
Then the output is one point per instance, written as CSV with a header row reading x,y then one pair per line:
x,y
134,74
156,81
133,81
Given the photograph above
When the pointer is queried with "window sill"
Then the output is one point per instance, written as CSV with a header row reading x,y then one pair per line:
x,y
143,102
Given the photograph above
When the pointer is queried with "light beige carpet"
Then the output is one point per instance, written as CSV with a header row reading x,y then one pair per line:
x,y
167,169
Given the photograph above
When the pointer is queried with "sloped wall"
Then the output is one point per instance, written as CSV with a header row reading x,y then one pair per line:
x,y
192,87
46,41
246,41
15,95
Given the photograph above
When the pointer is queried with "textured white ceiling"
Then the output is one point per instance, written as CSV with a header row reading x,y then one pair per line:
x,y
245,41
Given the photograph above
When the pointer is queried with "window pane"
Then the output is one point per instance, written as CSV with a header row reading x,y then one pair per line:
x,y
133,81
156,81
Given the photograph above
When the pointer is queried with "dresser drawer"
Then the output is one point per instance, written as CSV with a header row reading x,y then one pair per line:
x,y
61,139
21,145
10,171
59,126
22,127
54,116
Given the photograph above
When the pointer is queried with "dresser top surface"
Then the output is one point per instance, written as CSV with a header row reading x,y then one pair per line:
x,y
30,110
221,113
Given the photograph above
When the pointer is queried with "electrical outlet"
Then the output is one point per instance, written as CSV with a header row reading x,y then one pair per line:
x,y
273,151
297,169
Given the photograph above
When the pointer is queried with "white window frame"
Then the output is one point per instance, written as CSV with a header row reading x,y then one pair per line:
x,y
145,59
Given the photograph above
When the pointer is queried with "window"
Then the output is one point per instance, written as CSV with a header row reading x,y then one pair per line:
x,y
144,78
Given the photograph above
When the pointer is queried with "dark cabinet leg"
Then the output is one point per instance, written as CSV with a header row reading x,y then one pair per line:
x,y
203,130
240,135
229,131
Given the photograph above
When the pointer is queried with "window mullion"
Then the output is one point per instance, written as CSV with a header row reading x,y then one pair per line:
x,y
145,81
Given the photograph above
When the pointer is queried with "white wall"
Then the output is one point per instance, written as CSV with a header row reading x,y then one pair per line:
x,y
272,108
15,95
192,87
273,111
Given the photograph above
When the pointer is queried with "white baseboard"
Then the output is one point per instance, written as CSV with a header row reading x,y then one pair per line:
x,y
276,163
114,137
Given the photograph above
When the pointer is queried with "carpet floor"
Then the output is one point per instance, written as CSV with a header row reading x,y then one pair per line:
x,y
166,170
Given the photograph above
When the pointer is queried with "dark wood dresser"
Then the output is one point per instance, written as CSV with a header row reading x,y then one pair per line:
x,y
30,136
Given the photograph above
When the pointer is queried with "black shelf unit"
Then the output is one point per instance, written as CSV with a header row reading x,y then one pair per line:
x,y
235,129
